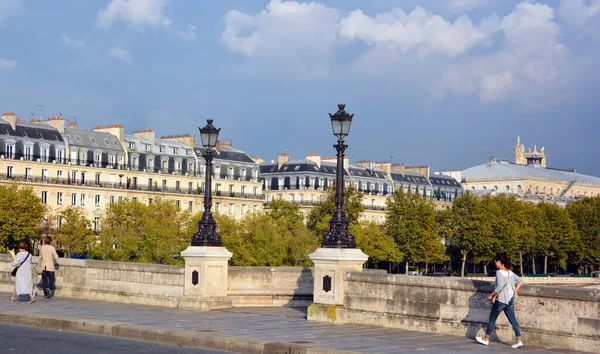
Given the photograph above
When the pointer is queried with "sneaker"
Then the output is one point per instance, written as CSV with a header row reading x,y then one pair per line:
x,y
517,345
484,342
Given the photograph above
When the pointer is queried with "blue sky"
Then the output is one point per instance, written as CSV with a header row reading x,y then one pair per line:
x,y
441,83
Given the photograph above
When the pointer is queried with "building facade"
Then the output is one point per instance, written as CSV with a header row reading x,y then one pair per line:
x,y
529,179
89,169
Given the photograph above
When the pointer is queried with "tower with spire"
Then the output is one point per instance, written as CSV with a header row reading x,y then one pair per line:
x,y
529,157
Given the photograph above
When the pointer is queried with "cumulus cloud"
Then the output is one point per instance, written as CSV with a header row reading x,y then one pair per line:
x,y
287,34
579,12
418,32
494,57
6,64
189,34
11,8
138,13
532,57
72,42
121,54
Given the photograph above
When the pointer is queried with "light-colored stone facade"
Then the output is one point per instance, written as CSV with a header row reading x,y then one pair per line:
x,y
91,169
529,178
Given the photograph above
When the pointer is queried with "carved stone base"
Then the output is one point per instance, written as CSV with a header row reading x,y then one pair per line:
x,y
331,266
206,272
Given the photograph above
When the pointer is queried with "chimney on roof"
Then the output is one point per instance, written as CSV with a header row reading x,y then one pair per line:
x,y
227,143
114,129
73,125
57,123
11,118
282,158
257,159
423,170
316,158
399,168
147,134
386,166
364,163
218,146
186,139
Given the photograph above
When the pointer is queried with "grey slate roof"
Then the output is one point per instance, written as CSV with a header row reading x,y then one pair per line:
x,y
444,181
30,131
305,166
503,169
92,140
227,153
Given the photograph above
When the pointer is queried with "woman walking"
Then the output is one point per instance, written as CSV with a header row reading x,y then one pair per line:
x,y
23,278
503,298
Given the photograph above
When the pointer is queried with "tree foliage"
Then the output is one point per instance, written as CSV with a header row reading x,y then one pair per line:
x,y
318,218
374,242
21,215
74,234
132,231
585,214
412,224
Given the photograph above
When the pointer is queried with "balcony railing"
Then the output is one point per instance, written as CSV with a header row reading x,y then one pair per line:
x,y
123,185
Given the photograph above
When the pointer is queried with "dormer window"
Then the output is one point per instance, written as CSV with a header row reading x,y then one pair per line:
x,y
161,149
131,145
175,151
148,147
24,133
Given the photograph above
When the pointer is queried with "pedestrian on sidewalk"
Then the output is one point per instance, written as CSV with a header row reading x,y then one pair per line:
x,y
23,278
503,300
47,257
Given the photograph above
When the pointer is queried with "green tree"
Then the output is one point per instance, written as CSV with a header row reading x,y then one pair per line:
x,y
21,215
554,233
585,214
373,241
74,234
411,223
318,218
470,226
132,231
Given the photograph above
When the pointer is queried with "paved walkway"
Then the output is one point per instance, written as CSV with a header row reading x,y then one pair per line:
x,y
241,330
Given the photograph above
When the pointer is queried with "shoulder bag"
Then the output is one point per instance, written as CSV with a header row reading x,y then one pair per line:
x,y
15,269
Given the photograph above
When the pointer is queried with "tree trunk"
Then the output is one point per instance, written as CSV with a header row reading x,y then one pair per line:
x,y
406,267
545,264
521,261
426,268
485,268
462,269
533,265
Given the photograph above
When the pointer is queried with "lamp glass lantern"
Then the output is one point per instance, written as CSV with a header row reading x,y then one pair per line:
x,y
209,135
340,122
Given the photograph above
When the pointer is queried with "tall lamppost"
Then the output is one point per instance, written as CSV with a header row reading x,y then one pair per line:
x,y
338,235
207,234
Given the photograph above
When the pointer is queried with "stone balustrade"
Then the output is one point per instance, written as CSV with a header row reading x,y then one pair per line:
x,y
555,316
163,285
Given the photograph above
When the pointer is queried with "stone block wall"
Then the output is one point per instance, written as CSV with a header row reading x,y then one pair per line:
x,y
561,317
162,285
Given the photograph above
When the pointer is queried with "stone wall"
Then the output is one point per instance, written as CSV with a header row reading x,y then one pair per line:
x,y
562,317
162,285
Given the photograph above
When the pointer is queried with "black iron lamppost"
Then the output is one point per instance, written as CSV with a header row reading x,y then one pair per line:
x,y
338,235
207,234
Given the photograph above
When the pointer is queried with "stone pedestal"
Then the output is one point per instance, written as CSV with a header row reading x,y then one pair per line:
x,y
331,266
206,275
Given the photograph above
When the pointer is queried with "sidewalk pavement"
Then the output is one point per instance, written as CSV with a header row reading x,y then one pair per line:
x,y
241,330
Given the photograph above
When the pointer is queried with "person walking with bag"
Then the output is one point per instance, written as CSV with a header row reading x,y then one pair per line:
x,y
503,300
47,257
22,273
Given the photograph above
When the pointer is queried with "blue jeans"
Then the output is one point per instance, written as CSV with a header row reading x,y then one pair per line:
x,y
509,310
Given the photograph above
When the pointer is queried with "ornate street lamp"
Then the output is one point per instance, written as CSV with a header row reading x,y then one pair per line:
x,y
338,235
207,234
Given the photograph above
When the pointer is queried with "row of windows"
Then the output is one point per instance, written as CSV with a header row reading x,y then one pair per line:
x,y
81,200
230,209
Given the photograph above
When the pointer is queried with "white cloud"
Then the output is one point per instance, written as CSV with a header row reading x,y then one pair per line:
x,y
531,58
10,8
6,64
121,54
464,5
189,34
416,32
288,37
138,13
579,12
73,42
